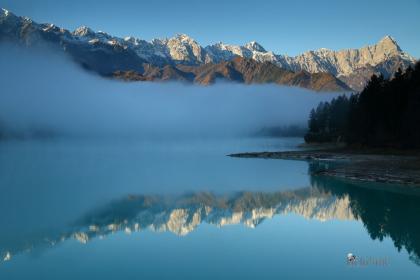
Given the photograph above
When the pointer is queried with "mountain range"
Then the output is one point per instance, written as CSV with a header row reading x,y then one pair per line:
x,y
182,58
183,214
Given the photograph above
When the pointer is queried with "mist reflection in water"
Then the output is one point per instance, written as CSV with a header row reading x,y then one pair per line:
x,y
383,213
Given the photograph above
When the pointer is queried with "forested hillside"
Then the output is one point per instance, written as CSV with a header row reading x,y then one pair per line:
x,y
385,114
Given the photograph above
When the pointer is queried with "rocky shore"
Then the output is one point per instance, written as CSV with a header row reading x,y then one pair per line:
x,y
394,167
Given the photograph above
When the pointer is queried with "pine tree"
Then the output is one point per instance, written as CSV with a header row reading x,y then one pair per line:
x,y
386,113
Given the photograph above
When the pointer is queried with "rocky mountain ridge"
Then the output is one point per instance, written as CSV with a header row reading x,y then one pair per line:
x,y
167,58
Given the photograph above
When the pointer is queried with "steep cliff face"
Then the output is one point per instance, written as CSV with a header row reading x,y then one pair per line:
x,y
107,54
240,70
352,66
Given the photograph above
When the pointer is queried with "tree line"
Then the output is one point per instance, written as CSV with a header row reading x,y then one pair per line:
x,y
385,114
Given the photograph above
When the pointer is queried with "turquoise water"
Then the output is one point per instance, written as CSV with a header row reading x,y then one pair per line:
x,y
183,210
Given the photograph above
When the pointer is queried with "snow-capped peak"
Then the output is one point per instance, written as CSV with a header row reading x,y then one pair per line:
x,y
219,44
48,27
185,50
389,43
254,46
83,31
10,18
184,38
131,40
322,52
5,12
388,38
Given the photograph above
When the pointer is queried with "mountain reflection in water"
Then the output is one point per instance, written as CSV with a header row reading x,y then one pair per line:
x,y
383,213
182,214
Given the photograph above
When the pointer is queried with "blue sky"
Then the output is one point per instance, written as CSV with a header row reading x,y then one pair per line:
x,y
285,27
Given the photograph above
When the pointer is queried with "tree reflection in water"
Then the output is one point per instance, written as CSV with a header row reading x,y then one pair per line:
x,y
393,213
385,210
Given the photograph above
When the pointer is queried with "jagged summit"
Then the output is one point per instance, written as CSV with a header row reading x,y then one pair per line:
x,y
388,38
83,31
183,37
254,46
4,12
352,66
389,43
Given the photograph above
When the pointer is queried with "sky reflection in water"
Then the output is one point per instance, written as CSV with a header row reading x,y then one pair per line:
x,y
326,215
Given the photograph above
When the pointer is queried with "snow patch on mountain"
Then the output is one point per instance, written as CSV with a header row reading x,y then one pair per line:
x,y
182,49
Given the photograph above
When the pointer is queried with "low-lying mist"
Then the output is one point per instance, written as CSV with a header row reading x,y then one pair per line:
x,y
46,91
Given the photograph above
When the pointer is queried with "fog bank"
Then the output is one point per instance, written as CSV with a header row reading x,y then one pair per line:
x,y
45,90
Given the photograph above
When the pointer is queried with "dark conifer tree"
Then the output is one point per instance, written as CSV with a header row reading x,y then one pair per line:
x,y
386,113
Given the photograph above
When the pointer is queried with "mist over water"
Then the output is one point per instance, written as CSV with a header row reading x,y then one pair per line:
x,y
43,89
58,195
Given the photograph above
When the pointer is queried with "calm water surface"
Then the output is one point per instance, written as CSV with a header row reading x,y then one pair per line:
x,y
183,210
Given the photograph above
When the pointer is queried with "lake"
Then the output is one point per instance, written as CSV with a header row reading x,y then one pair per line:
x,y
182,209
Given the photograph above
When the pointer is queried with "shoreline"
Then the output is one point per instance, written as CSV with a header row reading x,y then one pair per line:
x,y
370,165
